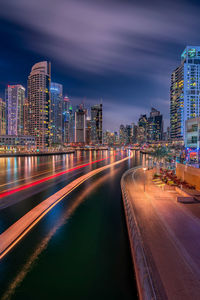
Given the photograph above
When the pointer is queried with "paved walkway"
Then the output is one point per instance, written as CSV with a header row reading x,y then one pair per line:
x,y
171,236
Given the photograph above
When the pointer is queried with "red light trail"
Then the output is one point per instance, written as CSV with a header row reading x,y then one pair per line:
x,y
34,183
10,237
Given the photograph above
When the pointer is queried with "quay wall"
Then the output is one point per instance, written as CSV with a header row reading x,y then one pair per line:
x,y
143,277
34,154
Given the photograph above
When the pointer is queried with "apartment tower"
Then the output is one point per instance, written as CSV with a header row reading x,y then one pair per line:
x,y
39,103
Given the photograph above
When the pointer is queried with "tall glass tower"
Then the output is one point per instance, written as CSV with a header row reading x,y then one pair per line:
x,y
56,112
185,91
15,95
96,124
39,103
2,117
80,124
68,121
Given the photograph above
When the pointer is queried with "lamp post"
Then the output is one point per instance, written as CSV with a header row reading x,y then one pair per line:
x,y
144,169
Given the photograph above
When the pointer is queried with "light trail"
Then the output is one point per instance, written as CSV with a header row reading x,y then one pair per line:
x,y
29,177
10,237
43,244
38,174
33,176
40,164
11,191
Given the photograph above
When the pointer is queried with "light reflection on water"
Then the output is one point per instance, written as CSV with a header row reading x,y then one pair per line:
x,y
44,243
23,168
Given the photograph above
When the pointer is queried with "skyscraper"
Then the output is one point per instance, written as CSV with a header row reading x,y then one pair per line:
x,y
88,131
155,126
142,129
39,103
122,134
68,121
110,138
96,124
26,116
80,125
56,112
185,91
128,131
176,103
134,133
71,125
2,117
15,95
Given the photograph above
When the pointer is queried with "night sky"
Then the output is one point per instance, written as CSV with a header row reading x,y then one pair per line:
x,y
120,51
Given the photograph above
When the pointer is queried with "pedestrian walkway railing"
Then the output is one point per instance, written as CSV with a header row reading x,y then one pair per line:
x,y
144,281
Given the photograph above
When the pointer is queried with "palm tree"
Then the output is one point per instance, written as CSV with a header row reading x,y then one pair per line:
x,y
160,154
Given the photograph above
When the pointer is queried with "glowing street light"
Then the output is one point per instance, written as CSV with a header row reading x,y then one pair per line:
x,y
144,169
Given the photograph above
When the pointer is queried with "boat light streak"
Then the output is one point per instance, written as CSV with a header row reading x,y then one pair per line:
x,y
34,183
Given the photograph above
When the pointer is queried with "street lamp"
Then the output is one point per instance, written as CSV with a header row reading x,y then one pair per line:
x,y
144,169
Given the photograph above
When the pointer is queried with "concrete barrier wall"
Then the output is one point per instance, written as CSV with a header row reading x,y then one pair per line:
x,y
189,174
143,278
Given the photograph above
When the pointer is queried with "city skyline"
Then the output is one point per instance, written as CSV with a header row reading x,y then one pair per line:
x,y
56,108
99,149
52,119
47,119
113,62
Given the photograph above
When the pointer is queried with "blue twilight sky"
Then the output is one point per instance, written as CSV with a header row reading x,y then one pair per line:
x,y
118,50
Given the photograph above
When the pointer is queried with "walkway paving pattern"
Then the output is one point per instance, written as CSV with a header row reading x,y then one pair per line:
x,y
171,237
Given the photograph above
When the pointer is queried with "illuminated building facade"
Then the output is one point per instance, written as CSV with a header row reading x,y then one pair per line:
x,y
155,126
15,95
39,124
142,129
2,117
185,91
71,125
110,138
17,143
68,121
176,103
192,139
56,112
96,124
80,125
88,131
125,134
128,132
134,133
26,116
122,134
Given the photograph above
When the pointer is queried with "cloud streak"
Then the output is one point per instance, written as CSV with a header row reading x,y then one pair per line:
x,y
100,36
104,42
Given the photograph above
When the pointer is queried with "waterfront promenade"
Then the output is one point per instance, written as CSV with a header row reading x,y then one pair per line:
x,y
164,237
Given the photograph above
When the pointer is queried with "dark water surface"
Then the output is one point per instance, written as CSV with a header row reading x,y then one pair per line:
x,y
79,250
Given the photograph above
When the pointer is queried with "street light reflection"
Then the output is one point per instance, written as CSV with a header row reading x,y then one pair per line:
x,y
44,243
34,183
